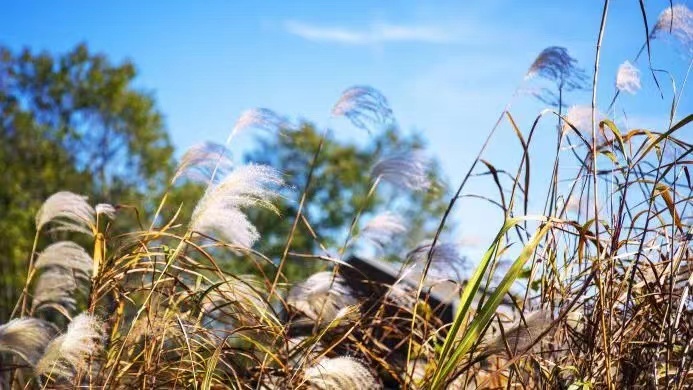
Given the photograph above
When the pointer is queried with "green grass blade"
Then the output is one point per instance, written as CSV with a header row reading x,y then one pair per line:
x,y
447,364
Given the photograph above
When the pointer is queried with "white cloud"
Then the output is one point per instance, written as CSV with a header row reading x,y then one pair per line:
x,y
376,33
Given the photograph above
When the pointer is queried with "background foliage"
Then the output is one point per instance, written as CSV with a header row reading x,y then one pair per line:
x,y
55,107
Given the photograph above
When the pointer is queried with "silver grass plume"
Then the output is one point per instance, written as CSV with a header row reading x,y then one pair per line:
x,y
556,65
105,209
202,160
262,118
407,170
521,335
677,21
26,338
55,288
219,210
322,296
69,211
446,261
553,63
628,78
340,373
68,256
383,228
69,353
363,105
580,117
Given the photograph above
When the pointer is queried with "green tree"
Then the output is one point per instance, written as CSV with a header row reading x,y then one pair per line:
x,y
73,122
338,189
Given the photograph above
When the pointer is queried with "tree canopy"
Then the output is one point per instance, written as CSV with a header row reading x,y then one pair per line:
x,y
72,121
339,190
77,122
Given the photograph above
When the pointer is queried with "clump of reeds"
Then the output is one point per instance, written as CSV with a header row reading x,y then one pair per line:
x,y
596,293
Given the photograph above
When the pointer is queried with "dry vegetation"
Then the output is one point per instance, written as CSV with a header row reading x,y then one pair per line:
x,y
599,284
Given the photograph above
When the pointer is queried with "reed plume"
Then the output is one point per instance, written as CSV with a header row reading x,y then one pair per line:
x,y
341,373
69,353
628,78
68,211
25,337
383,228
220,209
68,256
202,160
363,106
405,170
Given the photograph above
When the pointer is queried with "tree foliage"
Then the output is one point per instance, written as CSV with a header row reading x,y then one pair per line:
x,y
338,191
70,121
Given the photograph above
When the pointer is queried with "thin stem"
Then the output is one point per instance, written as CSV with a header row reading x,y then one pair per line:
x,y
299,212
29,277
605,329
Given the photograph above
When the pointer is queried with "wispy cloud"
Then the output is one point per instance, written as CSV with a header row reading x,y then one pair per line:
x,y
376,33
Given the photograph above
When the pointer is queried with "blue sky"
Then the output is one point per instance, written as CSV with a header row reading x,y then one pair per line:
x,y
447,67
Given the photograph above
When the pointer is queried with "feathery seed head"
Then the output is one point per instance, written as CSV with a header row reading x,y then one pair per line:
x,y
69,353
406,170
556,65
340,373
69,211
363,105
105,209
446,262
553,63
581,118
219,210
677,21
25,337
202,160
55,286
262,118
628,78
321,296
383,228
67,255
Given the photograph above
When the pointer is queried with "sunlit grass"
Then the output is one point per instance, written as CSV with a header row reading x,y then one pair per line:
x,y
599,284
